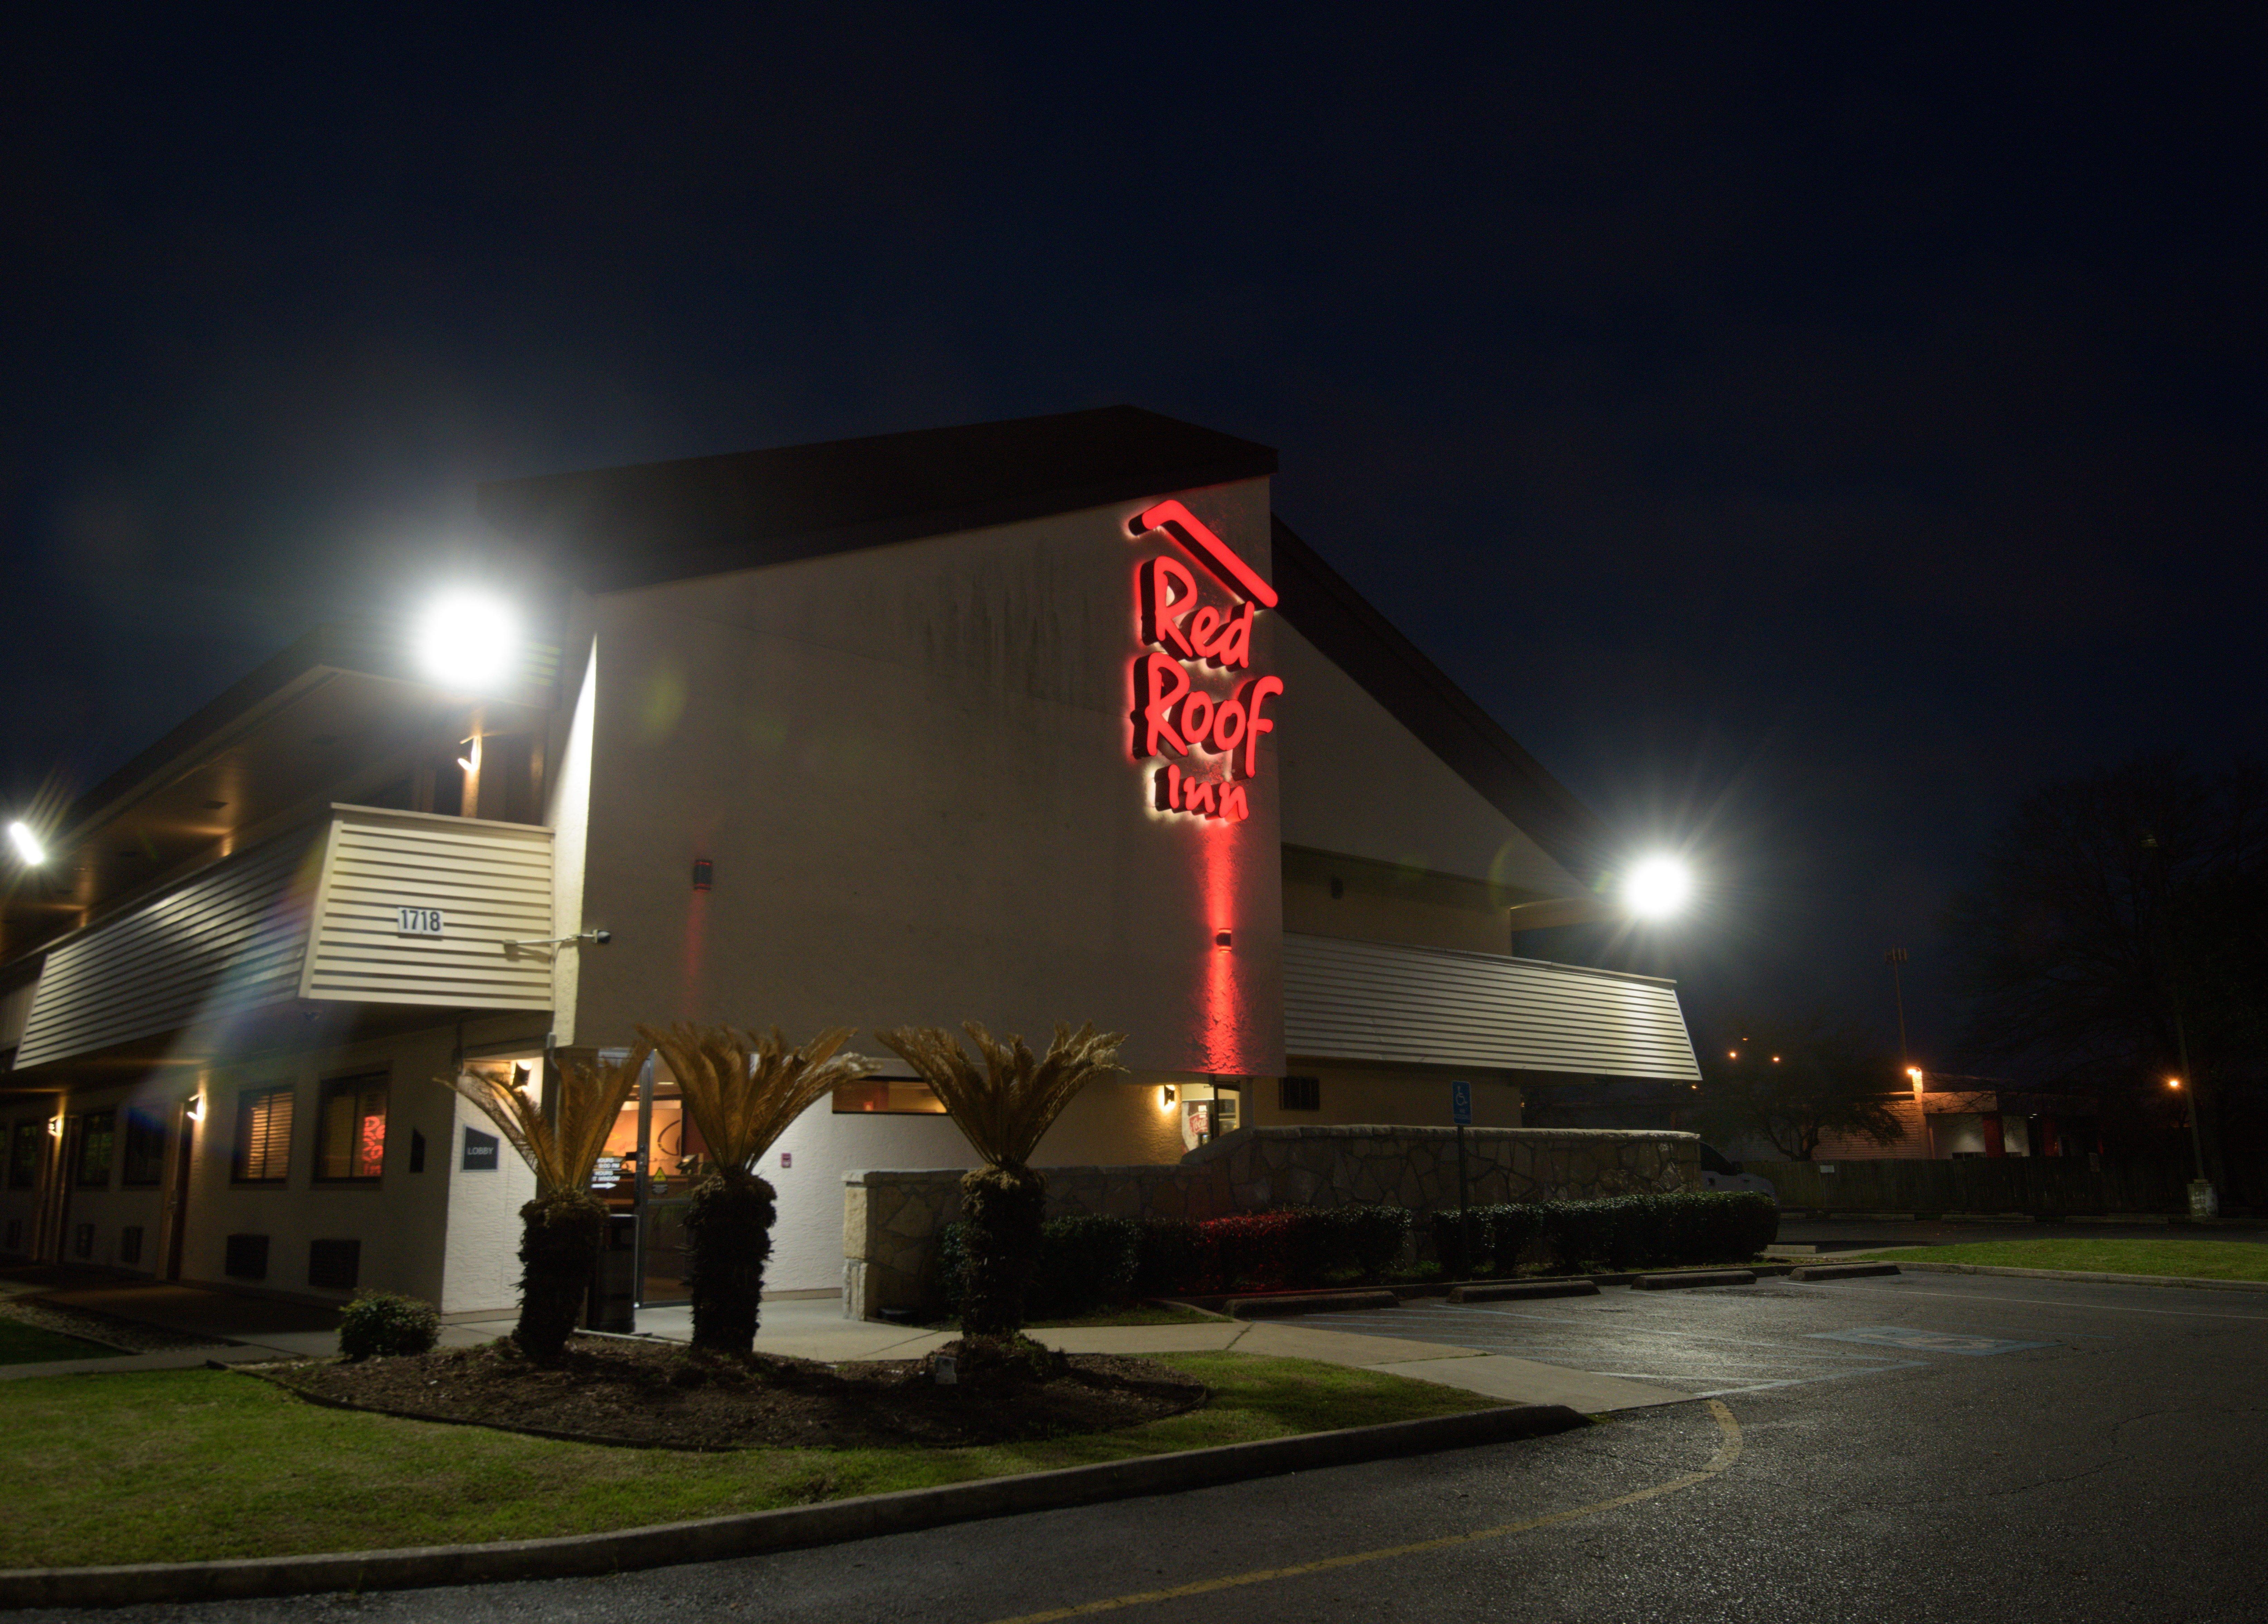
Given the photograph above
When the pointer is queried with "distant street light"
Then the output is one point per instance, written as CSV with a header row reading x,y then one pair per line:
x,y
27,844
468,640
1657,887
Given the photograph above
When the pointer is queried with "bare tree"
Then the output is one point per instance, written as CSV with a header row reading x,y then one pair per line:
x,y
1789,1081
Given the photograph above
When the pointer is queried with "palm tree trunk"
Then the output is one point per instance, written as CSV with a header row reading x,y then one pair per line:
x,y
1003,1208
560,1238
728,1235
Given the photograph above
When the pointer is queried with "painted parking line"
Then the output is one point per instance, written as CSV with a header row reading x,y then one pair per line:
x,y
1915,1340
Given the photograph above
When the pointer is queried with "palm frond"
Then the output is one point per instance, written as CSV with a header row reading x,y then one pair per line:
x,y
591,1098
743,1088
1009,1106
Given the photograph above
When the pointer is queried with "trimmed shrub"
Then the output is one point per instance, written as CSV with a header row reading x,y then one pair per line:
x,y
1167,1258
1665,1231
1087,1263
1367,1240
1500,1234
384,1325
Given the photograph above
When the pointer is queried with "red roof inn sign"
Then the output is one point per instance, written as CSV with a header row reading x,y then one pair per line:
x,y
1190,645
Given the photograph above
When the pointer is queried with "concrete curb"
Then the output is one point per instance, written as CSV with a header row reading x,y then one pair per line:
x,y
717,1538
1312,1303
1841,1271
1695,1277
1513,1289
1916,1265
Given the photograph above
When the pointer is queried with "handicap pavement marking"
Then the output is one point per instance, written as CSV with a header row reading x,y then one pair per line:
x,y
1925,1342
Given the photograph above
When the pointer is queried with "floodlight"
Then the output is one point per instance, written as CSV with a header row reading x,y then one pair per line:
x,y
1657,887
27,844
468,640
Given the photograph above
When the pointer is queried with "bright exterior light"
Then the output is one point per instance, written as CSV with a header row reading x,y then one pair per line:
x,y
27,844
2173,1081
468,640
1657,887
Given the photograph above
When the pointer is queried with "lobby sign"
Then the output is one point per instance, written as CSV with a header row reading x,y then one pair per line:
x,y
1194,697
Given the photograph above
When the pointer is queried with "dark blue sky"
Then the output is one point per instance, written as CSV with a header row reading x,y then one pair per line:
x,y
1803,428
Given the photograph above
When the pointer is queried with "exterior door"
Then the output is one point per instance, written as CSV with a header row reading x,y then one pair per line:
x,y
177,1193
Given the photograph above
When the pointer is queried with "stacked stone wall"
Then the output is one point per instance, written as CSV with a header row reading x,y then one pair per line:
x,y
890,1219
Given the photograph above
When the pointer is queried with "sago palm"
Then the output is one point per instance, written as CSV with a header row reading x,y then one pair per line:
x,y
742,1090
563,1227
1004,1109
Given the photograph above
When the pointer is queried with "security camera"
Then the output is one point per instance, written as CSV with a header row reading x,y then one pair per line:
x,y
602,937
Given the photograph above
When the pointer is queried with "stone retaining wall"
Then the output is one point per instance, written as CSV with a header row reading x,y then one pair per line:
x,y
890,1219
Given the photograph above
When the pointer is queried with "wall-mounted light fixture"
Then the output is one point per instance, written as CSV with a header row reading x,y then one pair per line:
x,y
29,851
704,873
1166,1096
194,1108
1223,938
56,1128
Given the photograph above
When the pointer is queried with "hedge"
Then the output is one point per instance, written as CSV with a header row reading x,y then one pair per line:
x,y
1089,1263
1616,1232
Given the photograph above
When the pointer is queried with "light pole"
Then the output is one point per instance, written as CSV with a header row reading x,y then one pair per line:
x,y
2204,1201
1896,957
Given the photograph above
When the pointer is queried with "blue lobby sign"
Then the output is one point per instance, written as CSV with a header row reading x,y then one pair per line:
x,y
1460,1104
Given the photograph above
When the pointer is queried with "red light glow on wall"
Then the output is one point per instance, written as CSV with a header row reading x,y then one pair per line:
x,y
1189,641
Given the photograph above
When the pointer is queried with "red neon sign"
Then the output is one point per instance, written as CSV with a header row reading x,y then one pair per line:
x,y
1189,640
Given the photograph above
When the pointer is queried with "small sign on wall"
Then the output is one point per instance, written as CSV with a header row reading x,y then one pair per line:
x,y
417,922
479,1151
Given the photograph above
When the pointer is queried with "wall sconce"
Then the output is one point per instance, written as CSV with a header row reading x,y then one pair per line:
x,y
1166,1096
54,1127
194,1107
704,873
1222,939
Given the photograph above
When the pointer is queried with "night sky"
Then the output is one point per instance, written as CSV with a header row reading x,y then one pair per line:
x,y
1804,428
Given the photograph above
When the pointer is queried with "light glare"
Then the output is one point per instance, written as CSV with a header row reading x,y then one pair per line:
x,y
27,844
468,640
1657,887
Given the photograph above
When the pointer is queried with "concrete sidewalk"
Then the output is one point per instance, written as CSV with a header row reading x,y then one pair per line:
x,y
236,1330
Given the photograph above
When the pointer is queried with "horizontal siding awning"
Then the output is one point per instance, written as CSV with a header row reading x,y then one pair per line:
x,y
1382,1002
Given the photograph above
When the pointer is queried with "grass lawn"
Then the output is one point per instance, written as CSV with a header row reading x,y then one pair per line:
x,y
183,1466
29,1344
1133,1313
2200,1260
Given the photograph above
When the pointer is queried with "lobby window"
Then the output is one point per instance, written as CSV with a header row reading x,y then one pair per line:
x,y
263,1135
143,1163
96,1132
887,1096
350,1133
25,1152
1298,1094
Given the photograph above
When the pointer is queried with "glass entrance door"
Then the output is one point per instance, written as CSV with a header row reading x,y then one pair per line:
x,y
652,1161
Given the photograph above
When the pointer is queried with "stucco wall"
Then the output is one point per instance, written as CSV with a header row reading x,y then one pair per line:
x,y
910,767
1356,782
890,1218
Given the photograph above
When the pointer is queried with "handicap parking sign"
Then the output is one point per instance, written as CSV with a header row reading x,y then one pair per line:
x,y
1460,1104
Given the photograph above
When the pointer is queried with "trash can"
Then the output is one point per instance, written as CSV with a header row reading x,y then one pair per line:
x,y
613,1304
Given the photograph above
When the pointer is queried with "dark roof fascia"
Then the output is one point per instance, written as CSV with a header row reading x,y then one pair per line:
x,y
318,649
1326,609
709,513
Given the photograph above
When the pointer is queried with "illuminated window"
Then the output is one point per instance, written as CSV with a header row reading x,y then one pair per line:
x,y
890,1096
96,1130
26,1151
143,1163
350,1133
263,1135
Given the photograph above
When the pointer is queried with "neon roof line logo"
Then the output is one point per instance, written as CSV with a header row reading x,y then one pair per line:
x,y
1209,547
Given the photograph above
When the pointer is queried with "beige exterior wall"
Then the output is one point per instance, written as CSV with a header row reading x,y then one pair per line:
x,y
567,809
1356,782
1382,1095
910,766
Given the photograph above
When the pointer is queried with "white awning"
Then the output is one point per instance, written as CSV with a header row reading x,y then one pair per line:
x,y
1380,1002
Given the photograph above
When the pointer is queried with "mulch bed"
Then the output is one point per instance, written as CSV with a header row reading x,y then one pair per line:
x,y
662,1395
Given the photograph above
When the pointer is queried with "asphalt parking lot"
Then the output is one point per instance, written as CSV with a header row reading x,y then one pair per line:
x,y
1930,1447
